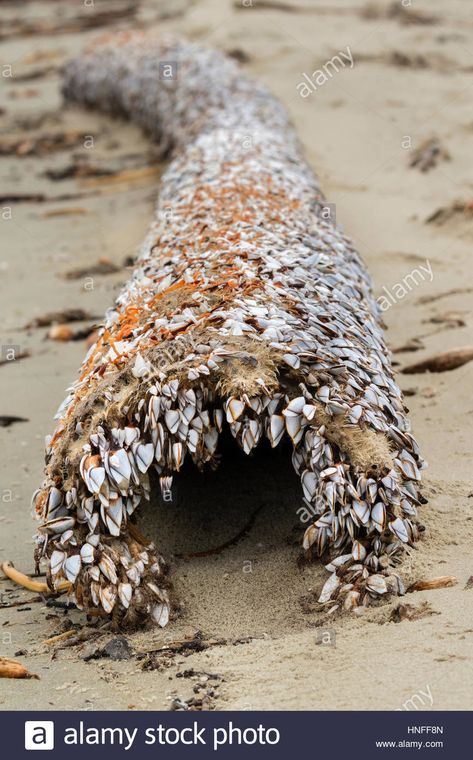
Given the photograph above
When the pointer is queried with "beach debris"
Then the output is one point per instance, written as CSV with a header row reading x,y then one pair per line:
x,y
414,344
33,74
205,693
469,583
77,169
278,5
42,145
64,333
448,318
7,419
443,362
127,175
404,14
60,317
60,333
428,154
66,24
23,198
458,208
402,59
66,211
40,197
445,294
410,60
164,656
239,55
443,581
60,637
248,311
428,392
5,605
117,648
407,611
103,266
14,669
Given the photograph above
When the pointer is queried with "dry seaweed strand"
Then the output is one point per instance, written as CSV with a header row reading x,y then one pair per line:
x,y
31,584
14,669
248,308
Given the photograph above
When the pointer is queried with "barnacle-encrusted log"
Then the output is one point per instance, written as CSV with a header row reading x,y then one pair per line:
x,y
248,308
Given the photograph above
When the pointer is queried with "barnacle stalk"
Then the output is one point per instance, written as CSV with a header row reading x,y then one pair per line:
x,y
248,308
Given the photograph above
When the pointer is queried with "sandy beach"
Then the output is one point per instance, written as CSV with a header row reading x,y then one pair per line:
x,y
389,131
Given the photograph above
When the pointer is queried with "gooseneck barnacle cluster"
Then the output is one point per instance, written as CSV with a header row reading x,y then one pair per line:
x,y
248,308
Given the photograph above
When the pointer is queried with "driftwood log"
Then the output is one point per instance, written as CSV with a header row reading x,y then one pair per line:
x,y
248,309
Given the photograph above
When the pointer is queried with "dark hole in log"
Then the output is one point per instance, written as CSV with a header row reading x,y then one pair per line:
x,y
248,498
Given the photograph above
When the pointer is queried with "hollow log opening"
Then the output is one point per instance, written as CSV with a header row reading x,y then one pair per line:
x,y
217,508
234,533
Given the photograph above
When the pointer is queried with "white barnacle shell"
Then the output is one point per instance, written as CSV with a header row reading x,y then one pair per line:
x,y
309,411
309,536
342,559
399,529
358,551
362,511
114,516
141,368
57,525
125,591
309,484
292,360
294,427
94,573
172,419
131,434
72,566
160,614
378,516
143,454
295,407
329,588
276,429
57,561
376,584
234,408
107,567
351,600
119,468
55,499
107,596
94,479
87,553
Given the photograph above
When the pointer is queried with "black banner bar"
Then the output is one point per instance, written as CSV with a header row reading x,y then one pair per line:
x,y
236,734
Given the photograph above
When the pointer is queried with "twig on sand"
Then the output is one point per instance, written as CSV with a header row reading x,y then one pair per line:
x,y
5,606
60,318
443,581
60,637
7,419
443,362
